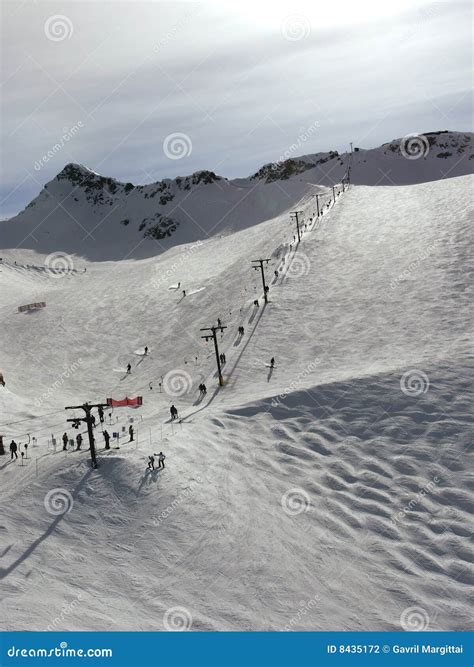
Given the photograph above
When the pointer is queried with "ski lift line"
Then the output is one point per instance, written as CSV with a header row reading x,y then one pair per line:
x,y
304,202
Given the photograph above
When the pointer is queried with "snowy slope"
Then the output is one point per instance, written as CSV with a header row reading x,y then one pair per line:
x,y
329,493
98,218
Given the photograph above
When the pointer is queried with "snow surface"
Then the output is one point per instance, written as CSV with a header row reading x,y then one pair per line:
x,y
316,495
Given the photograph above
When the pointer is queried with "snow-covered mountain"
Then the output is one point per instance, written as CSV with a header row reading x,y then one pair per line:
x,y
331,492
98,218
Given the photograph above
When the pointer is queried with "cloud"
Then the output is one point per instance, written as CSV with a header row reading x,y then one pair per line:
x,y
240,82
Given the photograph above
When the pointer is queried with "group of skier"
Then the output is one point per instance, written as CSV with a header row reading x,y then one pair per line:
x,y
106,435
202,389
161,461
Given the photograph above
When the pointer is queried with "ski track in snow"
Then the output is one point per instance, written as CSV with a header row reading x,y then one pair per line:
x,y
323,487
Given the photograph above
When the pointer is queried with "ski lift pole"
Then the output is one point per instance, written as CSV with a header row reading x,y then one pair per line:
x,y
87,407
294,215
258,264
212,335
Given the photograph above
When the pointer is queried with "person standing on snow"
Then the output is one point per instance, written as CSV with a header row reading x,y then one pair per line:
x,y
107,439
130,432
78,441
151,462
184,292
146,350
65,441
161,460
13,450
129,369
272,362
173,412
101,414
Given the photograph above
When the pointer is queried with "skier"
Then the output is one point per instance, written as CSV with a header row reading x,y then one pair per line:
x,y
174,412
65,441
255,303
146,350
129,369
13,450
276,273
204,389
78,441
161,460
2,381
151,462
107,439
223,358
272,362
219,323
184,292
101,414
130,432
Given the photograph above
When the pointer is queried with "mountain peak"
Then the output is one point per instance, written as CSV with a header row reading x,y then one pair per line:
x,y
74,171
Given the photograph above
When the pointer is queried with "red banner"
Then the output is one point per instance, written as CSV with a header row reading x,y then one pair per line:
x,y
125,402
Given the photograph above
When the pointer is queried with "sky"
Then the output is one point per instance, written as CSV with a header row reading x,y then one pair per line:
x,y
142,91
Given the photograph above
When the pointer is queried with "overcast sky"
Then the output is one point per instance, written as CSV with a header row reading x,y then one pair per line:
x,y
111,84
